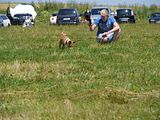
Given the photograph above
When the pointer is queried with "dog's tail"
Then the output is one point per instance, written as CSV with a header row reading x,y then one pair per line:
x,y
77,41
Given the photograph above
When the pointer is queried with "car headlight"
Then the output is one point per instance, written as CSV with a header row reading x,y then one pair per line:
x,y
152,20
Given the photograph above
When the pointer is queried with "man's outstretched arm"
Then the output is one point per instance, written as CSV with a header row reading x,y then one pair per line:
x,y
92,27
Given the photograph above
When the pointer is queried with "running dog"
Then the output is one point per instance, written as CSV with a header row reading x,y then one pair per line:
x,y
65,41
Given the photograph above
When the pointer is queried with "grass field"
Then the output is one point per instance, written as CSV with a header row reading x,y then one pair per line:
x,y
117,81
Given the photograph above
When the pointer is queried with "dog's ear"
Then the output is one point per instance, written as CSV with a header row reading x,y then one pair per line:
x,y
63,33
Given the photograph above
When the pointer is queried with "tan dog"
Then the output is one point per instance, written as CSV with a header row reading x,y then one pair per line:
x,y
65,41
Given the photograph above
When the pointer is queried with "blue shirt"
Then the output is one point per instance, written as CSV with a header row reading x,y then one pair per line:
x,y
104,26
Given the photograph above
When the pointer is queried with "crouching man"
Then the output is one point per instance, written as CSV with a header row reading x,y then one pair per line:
x,y
108,28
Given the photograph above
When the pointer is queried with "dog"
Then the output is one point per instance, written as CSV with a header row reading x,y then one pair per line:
x,y
65,41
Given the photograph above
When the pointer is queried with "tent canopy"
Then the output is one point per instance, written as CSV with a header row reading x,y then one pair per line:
x,y
23,9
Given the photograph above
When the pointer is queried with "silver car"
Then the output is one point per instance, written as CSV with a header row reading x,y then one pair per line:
x,y
95,12
6,22
1,22
154,17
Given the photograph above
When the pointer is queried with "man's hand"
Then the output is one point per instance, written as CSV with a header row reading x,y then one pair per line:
x,y
105,34
92,27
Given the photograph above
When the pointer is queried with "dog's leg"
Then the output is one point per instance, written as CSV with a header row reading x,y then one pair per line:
x,y
61,45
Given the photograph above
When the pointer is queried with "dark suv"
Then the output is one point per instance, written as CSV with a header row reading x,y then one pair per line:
x,y
123,15
155,17
19,19
68,16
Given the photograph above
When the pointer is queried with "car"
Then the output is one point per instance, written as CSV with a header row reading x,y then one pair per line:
x,y
68,16
1,22
6,22
20,13
95,13
19,19
125,15
154,17
53,19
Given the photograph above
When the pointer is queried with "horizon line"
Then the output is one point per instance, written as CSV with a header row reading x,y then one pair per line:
x,y
123,4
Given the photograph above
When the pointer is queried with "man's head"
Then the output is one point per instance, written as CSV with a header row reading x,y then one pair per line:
x,y
104,14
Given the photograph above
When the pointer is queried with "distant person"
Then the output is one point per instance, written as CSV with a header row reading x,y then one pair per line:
x,y
108,28
27,22
87,16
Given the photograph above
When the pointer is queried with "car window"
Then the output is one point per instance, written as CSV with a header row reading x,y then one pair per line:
x,y
122,12
97,11
18,15
54,14
1,20
4,17
67,12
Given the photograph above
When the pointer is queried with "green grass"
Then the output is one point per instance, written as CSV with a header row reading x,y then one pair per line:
x,y
89,81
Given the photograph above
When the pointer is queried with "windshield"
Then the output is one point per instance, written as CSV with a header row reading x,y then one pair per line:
x,y
22,15
4,17
67,12
96,11
124,12
156,15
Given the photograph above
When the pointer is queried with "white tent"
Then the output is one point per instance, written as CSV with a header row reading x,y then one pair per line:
x,y
23,9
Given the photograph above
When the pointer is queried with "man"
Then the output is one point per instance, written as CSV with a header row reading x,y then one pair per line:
x,y
108,28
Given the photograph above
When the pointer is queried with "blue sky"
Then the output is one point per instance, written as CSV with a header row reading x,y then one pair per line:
x,y
103,2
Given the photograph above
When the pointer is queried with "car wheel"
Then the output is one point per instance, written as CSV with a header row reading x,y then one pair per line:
x,y
134,21
58,23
